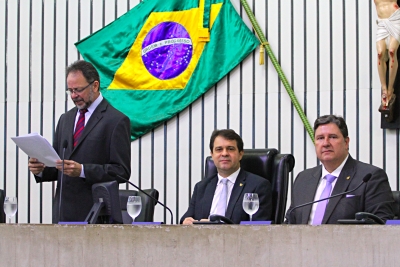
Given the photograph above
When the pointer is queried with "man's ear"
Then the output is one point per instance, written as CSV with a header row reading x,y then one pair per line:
x,y
96,86
347,141
241,153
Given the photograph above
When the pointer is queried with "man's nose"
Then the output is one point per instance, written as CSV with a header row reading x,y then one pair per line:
x,y
326,142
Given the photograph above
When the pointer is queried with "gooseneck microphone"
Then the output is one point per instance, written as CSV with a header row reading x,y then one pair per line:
x,y
113,174
364,180
65,145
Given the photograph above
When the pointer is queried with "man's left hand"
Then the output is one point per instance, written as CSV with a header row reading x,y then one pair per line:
x,y
71,168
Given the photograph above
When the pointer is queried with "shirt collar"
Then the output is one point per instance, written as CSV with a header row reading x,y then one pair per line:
x,y
337,171
232,178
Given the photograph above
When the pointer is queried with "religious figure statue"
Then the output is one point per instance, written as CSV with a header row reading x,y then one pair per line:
x,y
387,43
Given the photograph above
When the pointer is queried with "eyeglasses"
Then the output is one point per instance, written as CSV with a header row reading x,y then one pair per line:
x,y
76,90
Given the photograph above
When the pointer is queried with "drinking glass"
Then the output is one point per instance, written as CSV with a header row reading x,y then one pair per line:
x,y
134,206
250,203
10,207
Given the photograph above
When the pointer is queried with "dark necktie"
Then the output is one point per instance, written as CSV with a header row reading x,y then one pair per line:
x,y
80,125
321,206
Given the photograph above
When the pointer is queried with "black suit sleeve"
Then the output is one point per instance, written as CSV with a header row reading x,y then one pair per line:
x,y
378,196
192,205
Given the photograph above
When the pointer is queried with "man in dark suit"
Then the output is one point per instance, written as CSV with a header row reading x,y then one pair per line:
x,y
102,145
331,146
226,148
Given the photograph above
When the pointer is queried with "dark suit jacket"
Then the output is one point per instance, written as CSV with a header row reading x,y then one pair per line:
x,y
375,196
104,145
246,182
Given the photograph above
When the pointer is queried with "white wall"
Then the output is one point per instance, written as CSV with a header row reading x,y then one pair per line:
x,y
326,50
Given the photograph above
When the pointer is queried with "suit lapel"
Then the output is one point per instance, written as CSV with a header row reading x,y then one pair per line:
x,y
236,192
94,119
209,196
309,193
342,184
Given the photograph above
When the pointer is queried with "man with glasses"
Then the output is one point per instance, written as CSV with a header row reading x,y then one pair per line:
x,y
96,139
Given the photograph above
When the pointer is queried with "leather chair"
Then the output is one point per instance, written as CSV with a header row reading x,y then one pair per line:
x,y
396,206
2,214
271,165
147,212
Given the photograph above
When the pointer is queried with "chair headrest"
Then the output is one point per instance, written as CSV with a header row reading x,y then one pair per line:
x,y
396,196
2,214
257,161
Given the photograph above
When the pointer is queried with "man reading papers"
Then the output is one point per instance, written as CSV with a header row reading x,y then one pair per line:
x,y
98,140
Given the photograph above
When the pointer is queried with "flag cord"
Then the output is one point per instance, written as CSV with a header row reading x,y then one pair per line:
x,y
265,44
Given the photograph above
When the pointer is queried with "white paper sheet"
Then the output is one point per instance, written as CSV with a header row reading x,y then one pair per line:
x,y
36,146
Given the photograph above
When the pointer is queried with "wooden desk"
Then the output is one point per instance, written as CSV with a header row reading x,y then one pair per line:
x,y
201,245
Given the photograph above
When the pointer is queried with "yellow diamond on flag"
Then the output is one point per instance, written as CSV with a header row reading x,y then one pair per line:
x,y
160,56
165,53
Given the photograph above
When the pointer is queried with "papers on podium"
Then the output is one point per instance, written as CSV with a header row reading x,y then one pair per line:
x,y
36,146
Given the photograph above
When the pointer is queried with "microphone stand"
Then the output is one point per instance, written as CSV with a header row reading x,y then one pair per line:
x,y
113,174
365,179
65,144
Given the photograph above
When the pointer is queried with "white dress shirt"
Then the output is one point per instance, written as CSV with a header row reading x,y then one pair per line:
x,y
231,182
321,186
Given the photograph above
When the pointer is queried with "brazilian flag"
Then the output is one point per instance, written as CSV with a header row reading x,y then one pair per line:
x,y
162,55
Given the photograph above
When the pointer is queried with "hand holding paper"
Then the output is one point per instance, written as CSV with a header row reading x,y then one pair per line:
x,y
35,166
35,146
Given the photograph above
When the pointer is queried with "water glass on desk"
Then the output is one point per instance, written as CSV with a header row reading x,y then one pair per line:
x,y
251,203
134,206
10,207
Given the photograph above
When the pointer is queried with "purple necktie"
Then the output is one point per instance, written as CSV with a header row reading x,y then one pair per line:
x,y
80,125
221,205
321,206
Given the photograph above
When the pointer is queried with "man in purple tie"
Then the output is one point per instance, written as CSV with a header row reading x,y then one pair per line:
x,y
96,139
338,173
222,193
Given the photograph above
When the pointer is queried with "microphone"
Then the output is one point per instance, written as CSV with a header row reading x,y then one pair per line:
x,y
113,174
364,180
65,145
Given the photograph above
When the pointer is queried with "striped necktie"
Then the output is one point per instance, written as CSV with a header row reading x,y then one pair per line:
x,y
80,125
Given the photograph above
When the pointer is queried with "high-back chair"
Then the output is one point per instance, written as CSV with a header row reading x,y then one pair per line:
x,y
147,212
396,206
2,214
271,165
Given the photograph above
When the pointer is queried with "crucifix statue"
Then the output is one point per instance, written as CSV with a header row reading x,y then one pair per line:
x,y
387,43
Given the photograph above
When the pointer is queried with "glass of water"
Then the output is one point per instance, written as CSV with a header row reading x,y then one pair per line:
x,y
134,206
10,207
250,203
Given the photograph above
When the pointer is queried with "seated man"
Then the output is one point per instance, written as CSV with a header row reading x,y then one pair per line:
x,y
338,173
223,193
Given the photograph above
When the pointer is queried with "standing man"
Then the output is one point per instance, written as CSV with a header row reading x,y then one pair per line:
x,y
226,149
338,173
387,43
98,140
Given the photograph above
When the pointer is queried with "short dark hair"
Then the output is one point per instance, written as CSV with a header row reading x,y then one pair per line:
x,y
88,70
339,121
227,134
